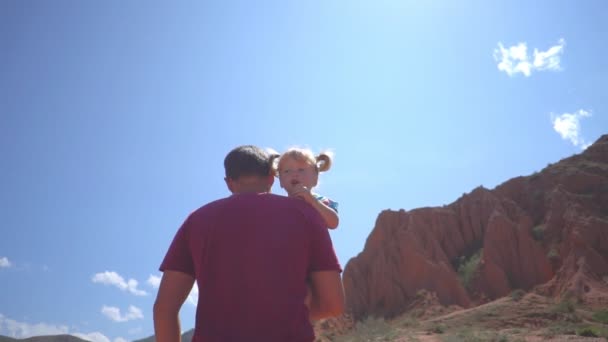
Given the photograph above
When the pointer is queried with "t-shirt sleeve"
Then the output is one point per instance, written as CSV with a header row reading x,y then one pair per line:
x,y
332,204
328,202
178,257
322,254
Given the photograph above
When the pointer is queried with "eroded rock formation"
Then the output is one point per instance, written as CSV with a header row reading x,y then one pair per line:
x,y
547,231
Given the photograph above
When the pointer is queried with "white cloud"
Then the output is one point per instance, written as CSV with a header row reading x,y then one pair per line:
x,y
113,278
154,281
515,59
94,337
549,60
120,339
15,329
569,127
114,314
5,263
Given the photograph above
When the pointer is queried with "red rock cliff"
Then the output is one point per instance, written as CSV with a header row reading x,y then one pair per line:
x,y
548,230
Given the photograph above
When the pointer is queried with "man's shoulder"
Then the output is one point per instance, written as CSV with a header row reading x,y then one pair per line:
x,y
282,204
209,208
267,199
285,206
307,211
248,199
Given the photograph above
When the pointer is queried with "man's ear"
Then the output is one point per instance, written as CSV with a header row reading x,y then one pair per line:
x,y
229,184
270,180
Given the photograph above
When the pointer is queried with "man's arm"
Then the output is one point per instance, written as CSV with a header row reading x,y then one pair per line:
x,y
173,291
327,295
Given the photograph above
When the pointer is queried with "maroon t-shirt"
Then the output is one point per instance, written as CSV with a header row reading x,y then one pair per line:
x,y
251,255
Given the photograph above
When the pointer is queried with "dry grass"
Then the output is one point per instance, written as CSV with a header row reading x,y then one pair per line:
x,y
530,318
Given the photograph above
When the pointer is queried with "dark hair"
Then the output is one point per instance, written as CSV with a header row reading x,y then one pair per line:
x,y
248,160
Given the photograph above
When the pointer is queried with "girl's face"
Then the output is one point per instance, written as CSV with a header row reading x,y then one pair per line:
x,y
294,172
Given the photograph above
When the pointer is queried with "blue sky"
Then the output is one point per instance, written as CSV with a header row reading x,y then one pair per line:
x,y
115,118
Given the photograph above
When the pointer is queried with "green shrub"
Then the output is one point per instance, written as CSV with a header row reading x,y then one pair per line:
x,y
593,331
471,335
467,269
552,253
371,329
437,329
538,232
565,306
601,316
408,321
589,331
420,294
564,328
518,294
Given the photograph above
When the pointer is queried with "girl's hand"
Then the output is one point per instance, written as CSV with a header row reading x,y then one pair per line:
x,y
300,191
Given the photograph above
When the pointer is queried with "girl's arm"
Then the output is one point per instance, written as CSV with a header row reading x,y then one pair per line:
x,y
329,215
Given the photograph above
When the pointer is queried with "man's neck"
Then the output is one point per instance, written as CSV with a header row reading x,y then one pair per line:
x,y
249,184
243,189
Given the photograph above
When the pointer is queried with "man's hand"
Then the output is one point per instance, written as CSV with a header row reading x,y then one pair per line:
x,y
308,298
327,295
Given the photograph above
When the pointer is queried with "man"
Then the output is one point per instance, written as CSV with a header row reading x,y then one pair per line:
x,y
252,255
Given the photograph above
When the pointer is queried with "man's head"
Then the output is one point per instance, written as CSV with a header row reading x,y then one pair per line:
x,y
248,169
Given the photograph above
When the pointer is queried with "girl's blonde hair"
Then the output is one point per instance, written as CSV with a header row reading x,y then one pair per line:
x,y
322,162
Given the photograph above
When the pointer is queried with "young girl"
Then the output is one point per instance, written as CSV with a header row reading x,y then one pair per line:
x,y
298,171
